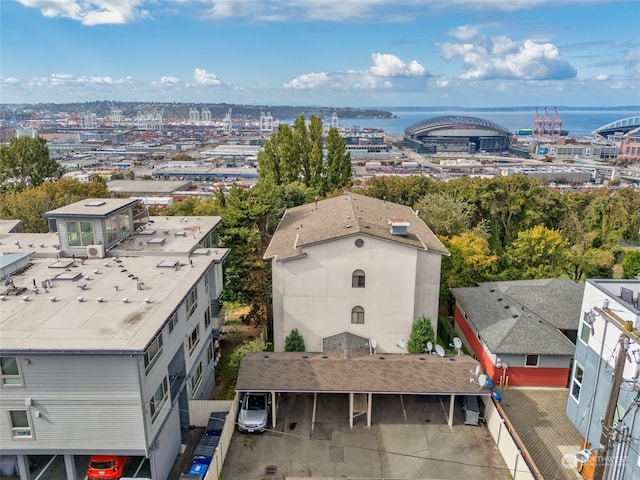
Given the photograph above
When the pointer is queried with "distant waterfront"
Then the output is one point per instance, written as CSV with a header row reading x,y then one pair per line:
x,y
577,122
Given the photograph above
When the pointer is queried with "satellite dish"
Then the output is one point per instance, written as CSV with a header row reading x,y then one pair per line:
x,y
374,343
482,380
457,342
401,342
440,350
583,455
429,346
477,370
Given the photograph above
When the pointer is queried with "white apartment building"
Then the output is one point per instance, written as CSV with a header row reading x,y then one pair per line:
x,y
108,328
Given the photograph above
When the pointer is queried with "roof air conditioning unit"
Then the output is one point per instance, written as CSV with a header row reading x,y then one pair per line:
x,y
95,251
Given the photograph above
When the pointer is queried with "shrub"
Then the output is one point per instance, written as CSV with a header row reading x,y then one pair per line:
x,y
421,333
294,342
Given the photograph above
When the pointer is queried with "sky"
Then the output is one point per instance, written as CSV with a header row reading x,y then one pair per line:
x,y
336,53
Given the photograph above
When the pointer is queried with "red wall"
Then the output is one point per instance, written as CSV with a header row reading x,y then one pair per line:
x,y
518,376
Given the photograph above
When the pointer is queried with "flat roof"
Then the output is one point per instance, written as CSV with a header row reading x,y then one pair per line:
x,y
92,207
379,373
144,186
56,320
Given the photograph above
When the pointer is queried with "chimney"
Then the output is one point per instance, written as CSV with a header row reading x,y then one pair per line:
x,y
398,226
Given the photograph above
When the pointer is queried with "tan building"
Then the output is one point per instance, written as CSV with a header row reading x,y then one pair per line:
x,y
353,265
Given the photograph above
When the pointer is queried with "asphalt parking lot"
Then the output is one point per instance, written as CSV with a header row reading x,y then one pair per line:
x,y
409,438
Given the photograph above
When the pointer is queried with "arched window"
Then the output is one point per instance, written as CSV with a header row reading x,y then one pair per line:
x,y
357,314
357,279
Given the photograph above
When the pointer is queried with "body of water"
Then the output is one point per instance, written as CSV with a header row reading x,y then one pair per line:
x,y
577,122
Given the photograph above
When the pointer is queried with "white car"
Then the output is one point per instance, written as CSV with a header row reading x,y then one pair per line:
x,y
254,412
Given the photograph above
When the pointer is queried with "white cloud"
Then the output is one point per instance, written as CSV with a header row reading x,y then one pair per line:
x,y
9,80
309,81
464,32
387,65
632,64
343,10
501,57
90,12
168,81
602,76
202,77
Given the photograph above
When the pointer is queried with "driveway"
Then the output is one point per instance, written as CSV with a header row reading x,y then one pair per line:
x,y
409,438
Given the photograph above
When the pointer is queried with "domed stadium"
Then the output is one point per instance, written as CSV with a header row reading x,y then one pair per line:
x,y
456,134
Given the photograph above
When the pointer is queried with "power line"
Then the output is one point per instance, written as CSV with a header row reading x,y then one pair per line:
x,y
547,476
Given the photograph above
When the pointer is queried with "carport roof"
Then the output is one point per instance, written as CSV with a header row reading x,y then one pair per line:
x,y
380,373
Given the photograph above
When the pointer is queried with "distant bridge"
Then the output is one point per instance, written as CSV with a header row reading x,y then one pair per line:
x,y
624,126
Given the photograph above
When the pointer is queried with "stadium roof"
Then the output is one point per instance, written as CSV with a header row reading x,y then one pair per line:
x,y
448,120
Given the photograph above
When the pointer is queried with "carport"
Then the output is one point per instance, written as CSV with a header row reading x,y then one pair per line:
x,y
360,377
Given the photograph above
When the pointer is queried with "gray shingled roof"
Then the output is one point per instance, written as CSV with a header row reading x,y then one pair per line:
x,y
511,321
381,373
556,300
343,216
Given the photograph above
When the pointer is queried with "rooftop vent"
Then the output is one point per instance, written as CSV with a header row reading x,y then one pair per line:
x,y
97,203
398,226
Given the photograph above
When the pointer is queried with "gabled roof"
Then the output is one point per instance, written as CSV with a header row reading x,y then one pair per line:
x,y
348,215
511,322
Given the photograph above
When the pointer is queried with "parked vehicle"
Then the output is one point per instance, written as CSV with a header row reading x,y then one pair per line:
x,y
254,412
106,466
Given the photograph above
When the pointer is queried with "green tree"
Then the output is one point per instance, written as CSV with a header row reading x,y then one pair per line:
x,y
538,252
631,264
338,169
445,214
25,162
296,154
294,342
421,333
469,263
30,205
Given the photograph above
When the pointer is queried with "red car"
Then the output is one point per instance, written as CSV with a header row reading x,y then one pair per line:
x,y
106,466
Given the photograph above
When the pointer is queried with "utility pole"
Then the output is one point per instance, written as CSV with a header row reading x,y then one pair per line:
x,y
607,424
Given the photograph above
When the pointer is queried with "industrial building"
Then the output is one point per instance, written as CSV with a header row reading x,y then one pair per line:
x,y
457,134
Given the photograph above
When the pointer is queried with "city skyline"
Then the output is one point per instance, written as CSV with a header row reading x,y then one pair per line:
x,y
359,53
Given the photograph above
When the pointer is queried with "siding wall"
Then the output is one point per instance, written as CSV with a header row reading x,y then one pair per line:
x,y
552,370
85,402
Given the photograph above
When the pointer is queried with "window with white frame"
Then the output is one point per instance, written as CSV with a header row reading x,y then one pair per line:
x,y
196,379
80,233
10,372
357,315
152,353
192,301
159,398
173,321
531,360
576,381
20,423
194,338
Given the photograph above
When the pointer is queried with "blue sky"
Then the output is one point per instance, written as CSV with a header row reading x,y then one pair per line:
x,y
474,53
